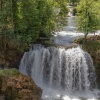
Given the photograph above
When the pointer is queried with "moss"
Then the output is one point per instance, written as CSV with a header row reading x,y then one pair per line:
x,y
9,72
10,93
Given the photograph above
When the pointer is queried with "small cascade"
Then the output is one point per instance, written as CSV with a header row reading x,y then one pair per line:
x,y
71,20
59,69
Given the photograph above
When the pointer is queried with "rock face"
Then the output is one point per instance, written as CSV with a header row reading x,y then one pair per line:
x,y
15,86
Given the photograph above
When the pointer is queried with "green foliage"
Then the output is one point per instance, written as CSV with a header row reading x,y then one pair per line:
x,y
9,72
27,20
5,17
46,19
92,46
88,16
60,14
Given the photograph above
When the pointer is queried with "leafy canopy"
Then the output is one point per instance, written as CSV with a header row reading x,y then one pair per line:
x,y
88,16
27,20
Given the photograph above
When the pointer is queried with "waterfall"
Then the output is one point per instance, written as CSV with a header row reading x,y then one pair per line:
x,y
63,74
68,70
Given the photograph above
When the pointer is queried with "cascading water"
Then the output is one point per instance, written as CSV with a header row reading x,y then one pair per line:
x,y
63,70
63,74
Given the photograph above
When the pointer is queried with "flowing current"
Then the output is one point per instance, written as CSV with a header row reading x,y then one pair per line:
x,y
59,70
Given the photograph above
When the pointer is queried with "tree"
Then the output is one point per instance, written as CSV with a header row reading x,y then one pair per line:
x,y
60,13
27,20
6,21
87,19
36,18
46,17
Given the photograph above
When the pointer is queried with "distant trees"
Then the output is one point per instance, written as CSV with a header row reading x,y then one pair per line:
x,y
5,16
6,21
73,2
60,13
88,16
26,20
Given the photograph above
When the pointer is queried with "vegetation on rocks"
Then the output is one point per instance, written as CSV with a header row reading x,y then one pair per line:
x,y
11,53
15,86
92,46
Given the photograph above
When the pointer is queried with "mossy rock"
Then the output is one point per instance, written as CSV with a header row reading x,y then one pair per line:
x,y
10,93
16,86
9,72
92,46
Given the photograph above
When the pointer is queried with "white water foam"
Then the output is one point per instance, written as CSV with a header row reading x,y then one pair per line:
x,y
62,74
67,37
